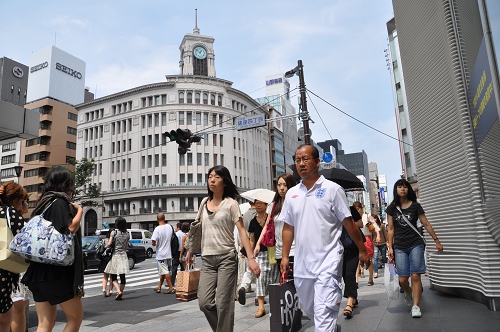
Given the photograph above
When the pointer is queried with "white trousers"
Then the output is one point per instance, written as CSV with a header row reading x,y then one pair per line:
x,y
320,298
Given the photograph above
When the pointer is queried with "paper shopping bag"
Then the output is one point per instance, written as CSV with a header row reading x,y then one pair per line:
x,y
391,281
187,285
284,306
8,260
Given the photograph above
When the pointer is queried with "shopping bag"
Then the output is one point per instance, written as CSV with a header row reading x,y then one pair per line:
x,y
187,284
391,281
271,255
8,260
284,307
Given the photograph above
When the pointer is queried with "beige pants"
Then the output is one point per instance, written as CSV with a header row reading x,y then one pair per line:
x,y
218,272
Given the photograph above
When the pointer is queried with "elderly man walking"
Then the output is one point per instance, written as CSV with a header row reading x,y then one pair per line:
x,y
314,212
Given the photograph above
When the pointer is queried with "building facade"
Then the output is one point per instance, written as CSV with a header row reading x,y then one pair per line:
x,y
140,171
451,88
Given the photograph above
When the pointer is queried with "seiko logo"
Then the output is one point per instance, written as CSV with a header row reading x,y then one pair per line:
x,y
38,67
18,72
68,71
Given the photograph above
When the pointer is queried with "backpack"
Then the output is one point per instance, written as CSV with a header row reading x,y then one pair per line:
x,y
174,243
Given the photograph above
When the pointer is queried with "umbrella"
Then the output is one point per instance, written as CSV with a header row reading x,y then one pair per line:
x,y
261,194
244,208
343,178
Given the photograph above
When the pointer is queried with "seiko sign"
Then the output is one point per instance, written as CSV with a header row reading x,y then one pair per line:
x,y
18,72
38,67
68,71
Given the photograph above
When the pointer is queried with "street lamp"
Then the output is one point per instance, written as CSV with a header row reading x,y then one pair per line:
x,y
299,70
18,169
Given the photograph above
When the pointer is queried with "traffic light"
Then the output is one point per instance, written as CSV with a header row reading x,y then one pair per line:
x,y
183,137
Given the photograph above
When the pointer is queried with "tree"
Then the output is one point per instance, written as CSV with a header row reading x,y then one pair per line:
x,y
85,190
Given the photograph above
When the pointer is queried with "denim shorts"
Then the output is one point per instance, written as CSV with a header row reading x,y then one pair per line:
x,y
410,260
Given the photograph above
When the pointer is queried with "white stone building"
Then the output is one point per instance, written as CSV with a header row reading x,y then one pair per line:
x,y
140,171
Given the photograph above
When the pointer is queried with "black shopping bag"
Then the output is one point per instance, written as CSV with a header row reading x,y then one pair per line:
x,y
284,306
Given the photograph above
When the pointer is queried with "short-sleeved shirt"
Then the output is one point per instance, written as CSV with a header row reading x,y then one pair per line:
x,y
121,241
162,235
179,234
316,215
218,228
256,229
404,235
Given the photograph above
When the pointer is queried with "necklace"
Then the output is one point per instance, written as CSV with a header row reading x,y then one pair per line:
x,y
260,220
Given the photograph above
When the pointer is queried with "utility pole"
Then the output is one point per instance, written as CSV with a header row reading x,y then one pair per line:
x,y
378,193
304,115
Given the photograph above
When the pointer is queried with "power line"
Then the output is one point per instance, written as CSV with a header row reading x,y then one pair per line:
x,y
367,125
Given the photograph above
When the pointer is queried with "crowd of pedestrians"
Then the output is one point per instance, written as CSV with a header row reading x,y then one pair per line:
x,y
320,241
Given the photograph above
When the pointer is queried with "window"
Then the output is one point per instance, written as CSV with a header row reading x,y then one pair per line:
x,y
157,160
190,180
198,119
101,130
12,92
123,167
143,118
100,168
221,140
71,131
72,116
157,120
220,100
206,159
190,159
129,144
214,119
129,164
189,118
214,139
113,129
12,159
220,120
198,159
212,99
118,147
205,98
222,159
164,182
164,159
182,160
182,179
124,126
143,162
205,139
163,119
189,97
205,119
144,104
150,140
150,101
113,147
157,139
163,99
143,142
150,161
150,121
117,166
9,146
181,118
197,97
215,159
71,145
181,97
157,100
112,167
234,143
118,125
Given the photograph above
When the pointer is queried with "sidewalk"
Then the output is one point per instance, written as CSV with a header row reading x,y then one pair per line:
x,y
440,312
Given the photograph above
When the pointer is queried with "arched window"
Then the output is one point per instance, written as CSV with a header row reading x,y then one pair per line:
x,y
220,100
212,99
197,97
181,97
189,97
90,222
205,98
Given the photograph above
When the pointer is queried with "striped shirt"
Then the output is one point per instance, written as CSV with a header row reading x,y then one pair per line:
x,y
218,228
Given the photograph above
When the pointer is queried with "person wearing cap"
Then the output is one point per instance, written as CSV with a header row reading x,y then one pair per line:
x,y
314,212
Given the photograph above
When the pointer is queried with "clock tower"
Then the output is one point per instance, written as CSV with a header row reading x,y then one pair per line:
x,y
197,54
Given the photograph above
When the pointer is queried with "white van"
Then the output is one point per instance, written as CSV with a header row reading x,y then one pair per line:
x,y
138,237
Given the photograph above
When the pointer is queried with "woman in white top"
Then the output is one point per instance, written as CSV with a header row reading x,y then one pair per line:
x,y
218,254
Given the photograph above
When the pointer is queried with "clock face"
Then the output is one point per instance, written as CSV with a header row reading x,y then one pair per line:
x,y
199,52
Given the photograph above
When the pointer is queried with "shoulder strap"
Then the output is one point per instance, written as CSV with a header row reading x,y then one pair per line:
x,y
408,223
41,214
7,215
203,202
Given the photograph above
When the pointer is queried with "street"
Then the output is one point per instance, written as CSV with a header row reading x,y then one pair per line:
x,y
139,302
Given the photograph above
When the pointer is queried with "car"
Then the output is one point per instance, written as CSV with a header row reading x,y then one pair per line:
x,y
135,254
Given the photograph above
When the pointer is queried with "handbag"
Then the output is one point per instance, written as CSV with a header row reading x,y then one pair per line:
x,y
187,284
9,261
409,224
193,240
346,240
284,306
269,239
38,241
391,281
104,252
370,249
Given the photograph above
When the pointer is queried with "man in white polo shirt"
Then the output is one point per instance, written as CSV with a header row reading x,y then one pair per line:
x,y
314,212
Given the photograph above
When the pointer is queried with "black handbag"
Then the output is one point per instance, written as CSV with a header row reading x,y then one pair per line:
x,y
104,252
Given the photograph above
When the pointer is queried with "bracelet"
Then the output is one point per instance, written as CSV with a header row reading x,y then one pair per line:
x,y
435,239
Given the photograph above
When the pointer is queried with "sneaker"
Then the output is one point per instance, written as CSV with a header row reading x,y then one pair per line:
x,y
338,328
409,298
242,296
415,312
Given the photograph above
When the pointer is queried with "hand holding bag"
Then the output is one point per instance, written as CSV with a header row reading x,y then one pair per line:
x,y
391,281
284,306
104,252
38,241
187,284
9,261
193,240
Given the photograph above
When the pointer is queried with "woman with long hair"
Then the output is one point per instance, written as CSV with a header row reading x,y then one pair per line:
x,y
218,254
285,182
118,265
13,204
54,285
367,233
406,245
380,245
183,252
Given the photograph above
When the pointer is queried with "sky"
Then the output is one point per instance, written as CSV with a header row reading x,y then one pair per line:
x,y
126,44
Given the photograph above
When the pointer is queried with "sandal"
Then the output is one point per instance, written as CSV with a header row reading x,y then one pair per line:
x,y
118,296
104,293
371,283
157,290
348,311
169,291
375,275
355,304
